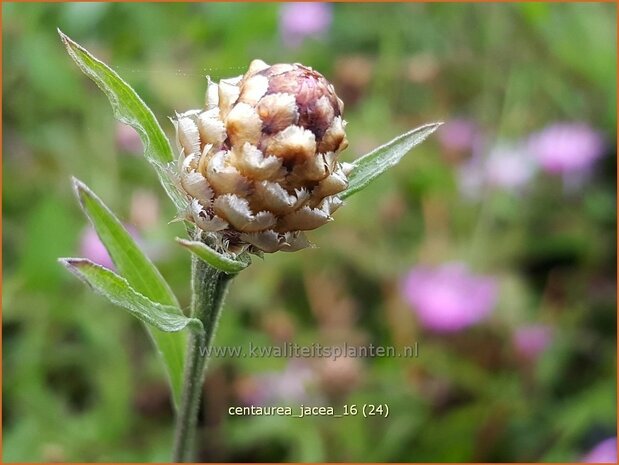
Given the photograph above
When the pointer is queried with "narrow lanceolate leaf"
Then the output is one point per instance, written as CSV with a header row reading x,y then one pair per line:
x,y
212,257
117,290
132,263
130,109
375,163
140,273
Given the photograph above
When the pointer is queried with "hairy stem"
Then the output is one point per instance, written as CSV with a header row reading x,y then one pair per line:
x,y
208,292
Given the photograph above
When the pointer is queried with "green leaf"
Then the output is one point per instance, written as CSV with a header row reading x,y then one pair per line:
x,y
167,318
130,109
212,257
132,263
141,274
370,166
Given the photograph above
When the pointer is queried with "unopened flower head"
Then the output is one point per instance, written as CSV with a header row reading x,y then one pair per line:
x,y
259,162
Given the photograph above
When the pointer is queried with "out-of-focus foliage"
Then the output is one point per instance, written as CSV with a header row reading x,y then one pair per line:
x,y
81,381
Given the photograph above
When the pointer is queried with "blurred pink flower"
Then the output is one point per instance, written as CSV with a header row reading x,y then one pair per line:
x,y
531,341
509,166
449,298
299,21
459,135
128,140
93,249
567,147
604,452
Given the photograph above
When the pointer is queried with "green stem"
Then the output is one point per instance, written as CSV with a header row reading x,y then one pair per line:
x,y
209,287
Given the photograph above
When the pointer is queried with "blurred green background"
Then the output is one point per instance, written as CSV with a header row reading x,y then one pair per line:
x,y
81,382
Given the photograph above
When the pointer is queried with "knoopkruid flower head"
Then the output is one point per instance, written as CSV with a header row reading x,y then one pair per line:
x,y
567,147
603,452
302,20
449,298
259,161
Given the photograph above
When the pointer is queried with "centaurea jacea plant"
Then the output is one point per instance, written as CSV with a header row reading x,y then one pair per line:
x,y
257,166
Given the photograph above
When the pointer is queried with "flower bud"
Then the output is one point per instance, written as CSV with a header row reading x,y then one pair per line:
x,y
259,162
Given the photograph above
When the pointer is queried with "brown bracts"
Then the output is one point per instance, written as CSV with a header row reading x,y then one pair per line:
x,y
259,162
